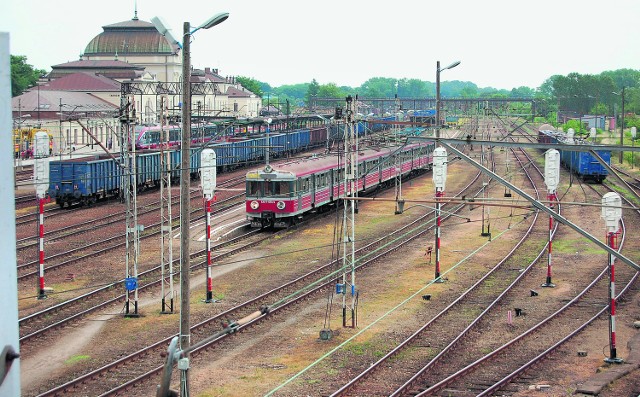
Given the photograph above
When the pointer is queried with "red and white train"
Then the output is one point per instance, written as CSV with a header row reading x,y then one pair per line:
x,y
279,195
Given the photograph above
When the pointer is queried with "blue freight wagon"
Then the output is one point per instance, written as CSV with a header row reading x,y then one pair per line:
x,y
83,180
581,163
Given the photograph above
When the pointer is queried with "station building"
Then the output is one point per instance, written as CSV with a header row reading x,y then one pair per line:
x,y
89,89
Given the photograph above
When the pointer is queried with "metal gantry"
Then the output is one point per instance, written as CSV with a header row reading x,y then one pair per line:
x,y
166,225
348,220
132,245
452,106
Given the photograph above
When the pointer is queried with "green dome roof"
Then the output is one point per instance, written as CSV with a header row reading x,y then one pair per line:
x,y
132,37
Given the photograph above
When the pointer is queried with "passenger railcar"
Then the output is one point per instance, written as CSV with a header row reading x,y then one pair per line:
x,y
278,196
149,137
581,163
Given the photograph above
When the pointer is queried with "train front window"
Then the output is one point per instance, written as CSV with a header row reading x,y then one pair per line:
x,y
277,189
269,189
281,189
145,137
253,188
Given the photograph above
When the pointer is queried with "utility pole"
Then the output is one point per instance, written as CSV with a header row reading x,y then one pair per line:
x,y
185,213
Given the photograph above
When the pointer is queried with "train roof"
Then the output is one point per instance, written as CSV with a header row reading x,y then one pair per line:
x,y
319,163
564,139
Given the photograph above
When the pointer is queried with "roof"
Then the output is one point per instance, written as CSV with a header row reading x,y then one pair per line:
x,y
234,92
90,64
111,69
48,101
212,75
128,38
310,165
82,82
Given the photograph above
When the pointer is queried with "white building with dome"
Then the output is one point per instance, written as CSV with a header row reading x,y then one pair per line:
x,y
128,51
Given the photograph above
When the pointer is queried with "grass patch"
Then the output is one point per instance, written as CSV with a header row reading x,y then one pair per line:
x,y
582,245
76,359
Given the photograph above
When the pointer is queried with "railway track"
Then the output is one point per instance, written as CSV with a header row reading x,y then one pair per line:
x,y
108,244
496,372
107,219
304,286
413,358
62,314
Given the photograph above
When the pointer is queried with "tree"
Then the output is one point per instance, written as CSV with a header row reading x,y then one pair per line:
x,y
522,92
378,87
330,90
23,75
312,91
251,84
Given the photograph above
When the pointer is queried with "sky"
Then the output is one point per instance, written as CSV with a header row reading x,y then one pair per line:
x,y
500,43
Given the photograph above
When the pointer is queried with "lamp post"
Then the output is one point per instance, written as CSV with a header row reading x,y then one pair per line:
x,y
184,180
621,124
266,150
438,70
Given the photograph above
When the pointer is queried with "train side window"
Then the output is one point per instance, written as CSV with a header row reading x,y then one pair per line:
x,y
305,185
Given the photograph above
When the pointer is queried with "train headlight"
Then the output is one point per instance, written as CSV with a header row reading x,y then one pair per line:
x,y
280,205
255,205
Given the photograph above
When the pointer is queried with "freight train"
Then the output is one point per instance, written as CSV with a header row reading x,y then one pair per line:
x,y
581,163
150,136
280,195
89,179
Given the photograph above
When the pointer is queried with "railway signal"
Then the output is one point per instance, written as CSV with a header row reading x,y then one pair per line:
x,y
208,183
551,179
40,177
439,180
612,213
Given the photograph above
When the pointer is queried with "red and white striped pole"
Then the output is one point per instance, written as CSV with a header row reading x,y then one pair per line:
x,y
208,228
439,181
551,179
548,283
41,293
612,213
612,300
438,223
41,177
208,184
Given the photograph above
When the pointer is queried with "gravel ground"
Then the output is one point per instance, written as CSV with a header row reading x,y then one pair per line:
x,y
273,354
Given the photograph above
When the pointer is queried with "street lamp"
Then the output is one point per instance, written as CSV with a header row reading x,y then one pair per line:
x,y
185,170
622,123
266,150
438,70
